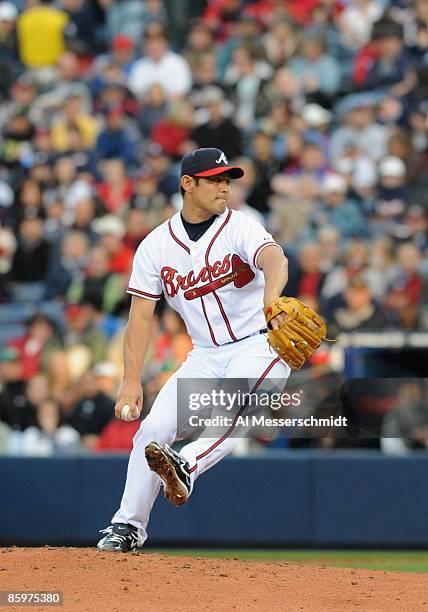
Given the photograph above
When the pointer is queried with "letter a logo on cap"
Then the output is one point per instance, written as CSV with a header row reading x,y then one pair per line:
x,y
221,159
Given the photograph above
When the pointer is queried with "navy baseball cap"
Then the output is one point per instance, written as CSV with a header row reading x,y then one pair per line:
x,y
208,162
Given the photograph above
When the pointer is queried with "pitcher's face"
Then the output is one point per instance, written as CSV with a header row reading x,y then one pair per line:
x,y
209,194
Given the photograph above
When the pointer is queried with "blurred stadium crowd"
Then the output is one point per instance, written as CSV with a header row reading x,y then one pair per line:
x,y
323,102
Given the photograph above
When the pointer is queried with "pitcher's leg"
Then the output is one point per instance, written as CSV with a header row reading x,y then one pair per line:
x,y
252,361
142,485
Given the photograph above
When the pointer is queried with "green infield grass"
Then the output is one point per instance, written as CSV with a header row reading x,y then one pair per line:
x,y
393,560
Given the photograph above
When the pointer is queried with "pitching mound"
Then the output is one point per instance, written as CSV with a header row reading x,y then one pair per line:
x,y
152,582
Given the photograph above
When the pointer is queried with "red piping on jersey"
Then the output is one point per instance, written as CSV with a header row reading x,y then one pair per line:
x,y
186,248
226,320
220,305
214,238
208,322
177,240
229,431
144,293
262,246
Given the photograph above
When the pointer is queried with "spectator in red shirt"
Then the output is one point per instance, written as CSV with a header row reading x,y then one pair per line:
x,y
117,436
112,231
222,16
403,298
269,11
137,228
116,189
36,346
172,133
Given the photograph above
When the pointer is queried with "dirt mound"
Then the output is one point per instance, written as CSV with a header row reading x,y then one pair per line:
x,y
152,582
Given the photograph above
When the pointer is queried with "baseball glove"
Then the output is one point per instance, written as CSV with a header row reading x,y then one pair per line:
x,y
299,335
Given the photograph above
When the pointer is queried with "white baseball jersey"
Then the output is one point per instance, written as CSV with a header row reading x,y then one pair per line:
x,y
214,283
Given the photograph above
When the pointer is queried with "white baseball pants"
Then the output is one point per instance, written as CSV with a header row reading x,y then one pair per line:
x,y
250,358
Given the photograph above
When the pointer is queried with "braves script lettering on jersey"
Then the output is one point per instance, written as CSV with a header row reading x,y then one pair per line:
x,y
194,275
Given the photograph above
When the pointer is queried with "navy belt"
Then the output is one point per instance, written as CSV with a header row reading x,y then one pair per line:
x,y
261,331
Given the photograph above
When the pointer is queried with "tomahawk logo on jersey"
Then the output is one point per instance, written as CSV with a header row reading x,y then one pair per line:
x,y
240,275
193,282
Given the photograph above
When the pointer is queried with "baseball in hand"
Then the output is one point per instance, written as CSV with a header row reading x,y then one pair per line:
x,y
126,414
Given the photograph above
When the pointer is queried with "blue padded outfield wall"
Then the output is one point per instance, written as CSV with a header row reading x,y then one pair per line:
x,y
284,499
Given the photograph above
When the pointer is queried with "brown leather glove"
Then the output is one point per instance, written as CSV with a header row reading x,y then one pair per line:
x,y
299,335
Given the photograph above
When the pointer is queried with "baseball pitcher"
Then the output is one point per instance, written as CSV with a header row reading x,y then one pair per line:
x,y
223,273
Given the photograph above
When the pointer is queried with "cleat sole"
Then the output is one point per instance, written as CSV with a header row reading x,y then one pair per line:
x,y
174,490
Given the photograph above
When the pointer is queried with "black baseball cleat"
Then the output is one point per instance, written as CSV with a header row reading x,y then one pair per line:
x,y
119,538
173,469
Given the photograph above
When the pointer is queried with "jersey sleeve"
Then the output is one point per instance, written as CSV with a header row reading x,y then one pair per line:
x,y
145,279
251,238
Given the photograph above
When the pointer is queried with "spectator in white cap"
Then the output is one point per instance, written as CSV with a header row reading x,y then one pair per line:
x,y
392,176
392,196
318,121
315,116
392,167
107,376
8,17
8,11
